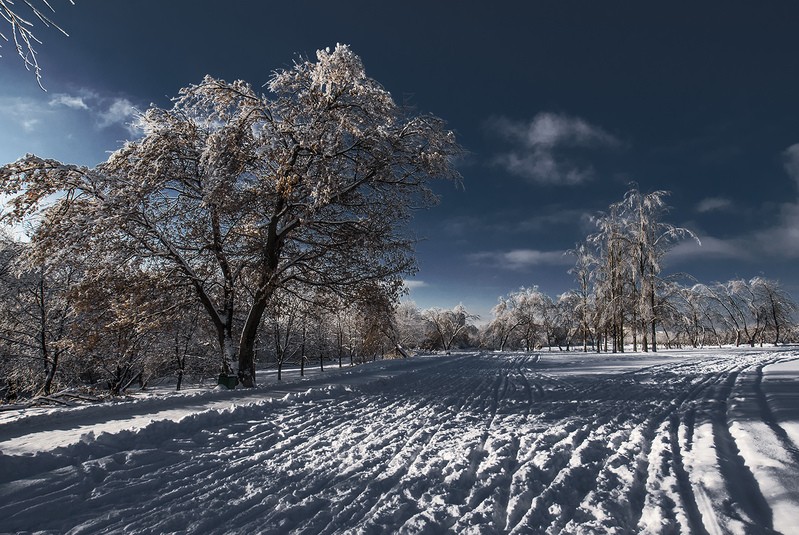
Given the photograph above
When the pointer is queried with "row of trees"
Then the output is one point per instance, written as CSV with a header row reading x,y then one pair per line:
x,y
57,331
622,295
736,312
243,227
60,330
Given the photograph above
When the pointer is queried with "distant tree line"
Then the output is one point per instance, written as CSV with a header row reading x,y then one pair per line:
x,y
621,299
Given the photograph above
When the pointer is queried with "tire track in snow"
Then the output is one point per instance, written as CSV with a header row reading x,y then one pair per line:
x,y
672,467
768,417
721,496
746,501
621,481
683,418
624,493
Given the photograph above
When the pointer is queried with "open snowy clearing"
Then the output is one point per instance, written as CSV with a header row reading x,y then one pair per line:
x,y
678,442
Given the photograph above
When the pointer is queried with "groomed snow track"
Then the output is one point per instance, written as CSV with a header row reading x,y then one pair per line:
x,y
470,443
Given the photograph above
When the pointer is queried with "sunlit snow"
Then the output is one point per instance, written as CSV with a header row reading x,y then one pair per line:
x,y
552,442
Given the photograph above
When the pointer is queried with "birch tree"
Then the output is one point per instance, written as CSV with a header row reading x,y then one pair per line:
x,y
236,194
648,239
583,272
613,272
631,242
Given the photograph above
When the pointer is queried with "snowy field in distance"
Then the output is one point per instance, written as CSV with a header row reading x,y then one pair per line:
x,y
678,442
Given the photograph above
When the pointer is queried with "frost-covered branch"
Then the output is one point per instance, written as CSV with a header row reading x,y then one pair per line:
x,y
21,30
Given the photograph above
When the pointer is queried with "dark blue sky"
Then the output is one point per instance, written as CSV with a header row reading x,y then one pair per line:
x,y
560,105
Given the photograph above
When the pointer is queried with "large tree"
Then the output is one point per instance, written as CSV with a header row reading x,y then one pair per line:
x,y
648,239
237,194
631,242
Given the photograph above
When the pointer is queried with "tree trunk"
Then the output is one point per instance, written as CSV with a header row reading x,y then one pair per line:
x,y
246,372
652,306
48,380
302,354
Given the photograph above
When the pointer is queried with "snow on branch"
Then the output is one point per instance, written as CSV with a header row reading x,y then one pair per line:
x,y
21,31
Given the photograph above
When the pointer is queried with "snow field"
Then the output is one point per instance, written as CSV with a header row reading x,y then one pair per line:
x,y
471,443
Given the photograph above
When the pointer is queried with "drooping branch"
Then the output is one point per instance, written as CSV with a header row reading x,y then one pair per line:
x,y
21,31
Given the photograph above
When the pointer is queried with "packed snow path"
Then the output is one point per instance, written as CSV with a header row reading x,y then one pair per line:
x,y
481,443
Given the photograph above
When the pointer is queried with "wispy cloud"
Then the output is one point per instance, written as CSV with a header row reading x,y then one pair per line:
x,y
520,259
504,222
25,113
711,248
414,284
538,152
790,157
120,111
781,240
714,204
105,111
70,101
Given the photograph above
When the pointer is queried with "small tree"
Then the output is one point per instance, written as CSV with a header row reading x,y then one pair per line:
x,y
506,321
36,317
776,306
409,325
446,325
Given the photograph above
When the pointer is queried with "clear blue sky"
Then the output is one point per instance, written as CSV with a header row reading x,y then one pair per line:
x,y
560,105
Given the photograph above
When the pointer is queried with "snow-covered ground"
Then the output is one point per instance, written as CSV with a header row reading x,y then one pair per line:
x,y
677,442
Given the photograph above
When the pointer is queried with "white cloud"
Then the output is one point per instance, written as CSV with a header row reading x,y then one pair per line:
x,y
521,259
713,204
537,154
790,158
779,241
782,240
29,124
120,112
70,101
106,111
552,130
711,247
25,112
414,284
508,222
